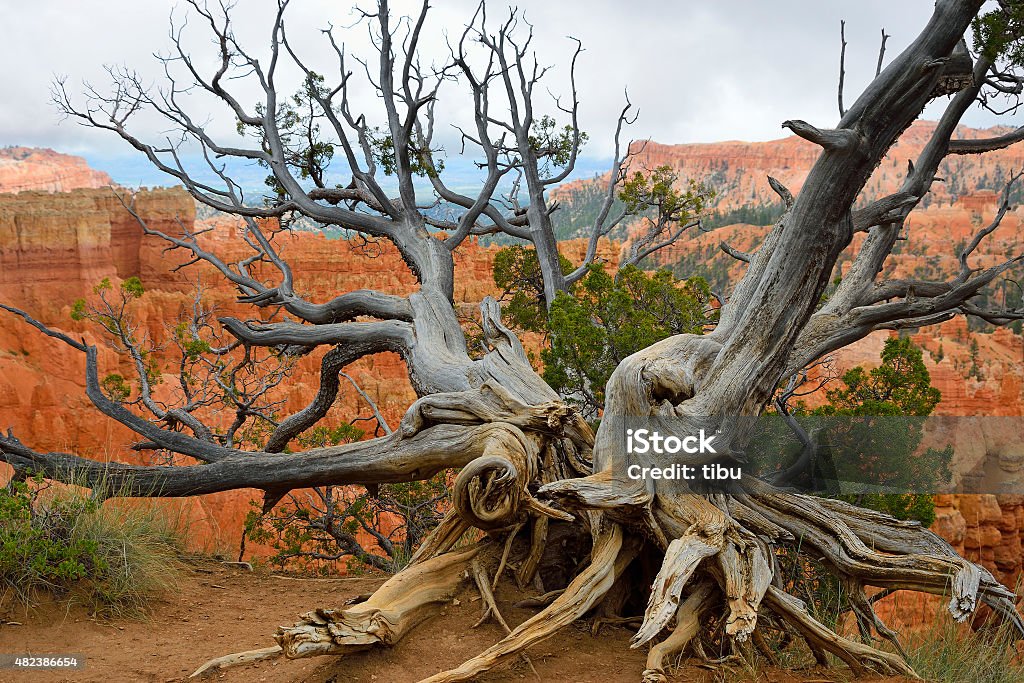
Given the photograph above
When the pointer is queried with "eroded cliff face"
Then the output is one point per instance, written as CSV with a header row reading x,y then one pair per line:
x,y
55,247
738,170
27,168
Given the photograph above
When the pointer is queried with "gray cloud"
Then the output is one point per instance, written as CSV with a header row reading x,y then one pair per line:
x,y
698,71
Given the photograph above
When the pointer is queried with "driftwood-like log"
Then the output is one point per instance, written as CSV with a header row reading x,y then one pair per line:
x,y
609,558
238,658
403,601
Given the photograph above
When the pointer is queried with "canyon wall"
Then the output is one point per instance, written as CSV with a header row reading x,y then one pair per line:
x,y
28,168
54,247
737,170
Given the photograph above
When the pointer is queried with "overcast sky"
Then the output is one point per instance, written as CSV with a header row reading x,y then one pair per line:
x,y
697,70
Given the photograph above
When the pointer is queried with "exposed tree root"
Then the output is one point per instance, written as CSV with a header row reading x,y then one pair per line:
x,y
538,536
757,637
726,539
742,564
483,585
885,559
398,605
609,558
491,611
747,575
540,600
722,546
621,500
687,626
862,658
504,555
443,538
237,658
600,622
681,560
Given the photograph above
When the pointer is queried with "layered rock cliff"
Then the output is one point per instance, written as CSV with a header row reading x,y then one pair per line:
x,y
55,247
738,170
28,168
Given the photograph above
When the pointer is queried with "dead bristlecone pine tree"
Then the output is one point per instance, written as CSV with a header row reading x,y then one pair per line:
x,y
530,468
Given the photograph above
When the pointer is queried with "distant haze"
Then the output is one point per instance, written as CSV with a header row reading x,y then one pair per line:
x,y
698,71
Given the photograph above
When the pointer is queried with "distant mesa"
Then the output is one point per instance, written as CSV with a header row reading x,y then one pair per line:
x,y
738,172
25,169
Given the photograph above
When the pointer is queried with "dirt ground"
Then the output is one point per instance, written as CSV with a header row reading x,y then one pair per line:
x,y
219,609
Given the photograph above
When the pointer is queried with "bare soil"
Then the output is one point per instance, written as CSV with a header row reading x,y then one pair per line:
x,y
219,609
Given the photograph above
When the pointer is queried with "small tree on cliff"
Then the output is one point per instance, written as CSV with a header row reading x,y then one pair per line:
x,y
611,318
885,449
600,321
532,468
878,444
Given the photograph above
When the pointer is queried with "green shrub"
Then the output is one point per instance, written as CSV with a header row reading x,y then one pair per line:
x,y
899,386
112,557
37,546
610,316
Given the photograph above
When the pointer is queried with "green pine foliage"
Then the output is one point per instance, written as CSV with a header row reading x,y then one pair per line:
x,y
899,392
609,318
998,33
599,321
656,196
516,271
900,385
746,214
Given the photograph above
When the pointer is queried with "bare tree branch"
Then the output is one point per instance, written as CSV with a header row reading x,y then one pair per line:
x,y
842,65
881,53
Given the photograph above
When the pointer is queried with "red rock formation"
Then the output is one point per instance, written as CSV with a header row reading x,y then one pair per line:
x,y
55,247
28,168
738,169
